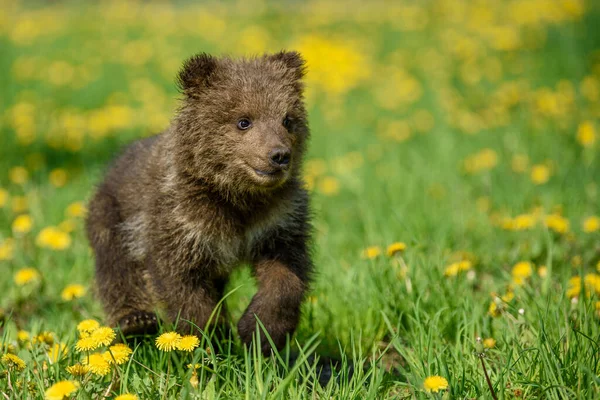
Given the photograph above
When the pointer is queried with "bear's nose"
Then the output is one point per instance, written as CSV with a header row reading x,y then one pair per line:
x,y
280,158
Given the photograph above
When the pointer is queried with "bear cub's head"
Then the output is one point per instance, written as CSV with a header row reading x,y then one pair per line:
x,y
242,123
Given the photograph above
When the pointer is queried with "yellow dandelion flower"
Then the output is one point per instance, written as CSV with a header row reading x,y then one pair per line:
x,y
86,344
126,396
13,362
540,174
489,343
329,185
25,276
78,369
18,175
557,223
521,271
67,226
88,325
586,134
542,271
118,354
188,343
58,177
97,364
103,336
3,197
454,268
7,249
523,222
23,336
435,384
494,310
371,252
168,341
56,352
591,224
53,238
22,224
61,389
574,287
19,204
395,248
73,291
45,337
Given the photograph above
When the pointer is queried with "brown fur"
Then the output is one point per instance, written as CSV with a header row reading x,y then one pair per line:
x,y
178,211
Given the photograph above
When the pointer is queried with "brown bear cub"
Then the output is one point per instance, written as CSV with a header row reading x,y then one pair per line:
x,y
222,186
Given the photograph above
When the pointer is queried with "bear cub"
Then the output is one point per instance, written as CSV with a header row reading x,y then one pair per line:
x,y
221,186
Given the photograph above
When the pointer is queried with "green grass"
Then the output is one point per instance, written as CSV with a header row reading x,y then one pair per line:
x,y
393,321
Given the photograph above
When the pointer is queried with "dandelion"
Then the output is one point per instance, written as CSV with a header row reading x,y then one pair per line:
x,y
97,364
58,177
25,276
7,248
329,186
22,224
18,175
119,354
45,337
13,362
23,336
371,252
57,351
395,248
540,174
454,268
188,343
53,238
591,224
61,389
542,271
86,344
126,396
586,134
88,326
489,343
73,291
168,341
3,197
521,271
435,383
557,223
78,369
103,336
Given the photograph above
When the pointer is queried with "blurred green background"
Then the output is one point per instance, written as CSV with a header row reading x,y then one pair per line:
x,y
462,131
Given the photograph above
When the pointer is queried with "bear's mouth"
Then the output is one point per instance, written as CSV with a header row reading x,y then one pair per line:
x,y
268,173
266,177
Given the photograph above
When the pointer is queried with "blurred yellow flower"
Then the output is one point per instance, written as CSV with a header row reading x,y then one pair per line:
x,y
454,268
540,174
435,383
22,224
53,238
395,248
168,341
56,352
58,177
67,226
60,390
73,291
521,271
19,204
76,209
3,197
329,185
586,134
484,160
557,223
188,343
45,337
7,248
23,336
26,275
97,364
13,362
591,224
542,271
489,343
371,252
18,175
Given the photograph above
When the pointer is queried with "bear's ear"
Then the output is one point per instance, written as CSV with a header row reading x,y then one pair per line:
x,y
196,71
292,60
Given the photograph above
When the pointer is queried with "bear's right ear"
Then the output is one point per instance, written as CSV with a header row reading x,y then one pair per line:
x,y
196,71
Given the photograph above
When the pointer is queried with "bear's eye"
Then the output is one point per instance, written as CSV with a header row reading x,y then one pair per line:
x,y
287,122
243,124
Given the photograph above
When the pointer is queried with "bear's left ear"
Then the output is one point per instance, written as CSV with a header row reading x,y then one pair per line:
x,y
292,60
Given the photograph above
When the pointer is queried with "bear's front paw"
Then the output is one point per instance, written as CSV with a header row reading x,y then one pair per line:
x,y
278,328
138,323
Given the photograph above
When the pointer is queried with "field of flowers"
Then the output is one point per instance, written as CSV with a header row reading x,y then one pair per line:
x,y
455,172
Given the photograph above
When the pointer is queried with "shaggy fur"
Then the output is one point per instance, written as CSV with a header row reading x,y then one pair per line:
x,y
177,212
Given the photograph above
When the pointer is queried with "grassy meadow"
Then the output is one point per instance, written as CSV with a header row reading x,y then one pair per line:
x,y
454,167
